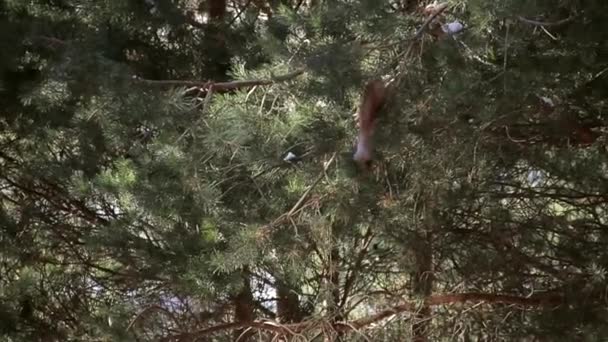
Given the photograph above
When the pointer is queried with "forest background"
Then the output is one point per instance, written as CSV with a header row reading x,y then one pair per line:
x,y
146,194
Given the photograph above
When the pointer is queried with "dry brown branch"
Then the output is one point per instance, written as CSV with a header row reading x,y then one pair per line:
x,y
538,300
222,86
268,326
461,298
541,299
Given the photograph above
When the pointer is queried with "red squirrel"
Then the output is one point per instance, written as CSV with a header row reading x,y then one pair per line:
x,y
373,98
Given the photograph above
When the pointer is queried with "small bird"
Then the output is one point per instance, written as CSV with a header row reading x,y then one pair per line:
x,y
291,157
372,101
452,28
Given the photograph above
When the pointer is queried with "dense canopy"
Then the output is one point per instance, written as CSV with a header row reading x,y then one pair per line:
x,y
182,170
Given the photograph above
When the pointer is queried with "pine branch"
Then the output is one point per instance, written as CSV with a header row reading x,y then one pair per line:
x,y
353,272
545,23
222,86
153,308
60,201
539,300
264,231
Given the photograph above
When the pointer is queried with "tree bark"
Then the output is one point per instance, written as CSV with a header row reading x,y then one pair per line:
x,y
423,286
288,304
337,314
217,10
244,309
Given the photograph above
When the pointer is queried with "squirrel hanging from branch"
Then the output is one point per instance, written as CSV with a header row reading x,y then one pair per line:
x,y
375,93
372,101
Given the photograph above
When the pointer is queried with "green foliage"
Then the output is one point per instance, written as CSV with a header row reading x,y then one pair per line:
x,y
136,208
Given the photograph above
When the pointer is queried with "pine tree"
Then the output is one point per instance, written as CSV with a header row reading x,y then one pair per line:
x,y
182,170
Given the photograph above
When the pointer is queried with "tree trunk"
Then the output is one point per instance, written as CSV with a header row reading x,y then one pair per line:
x,y
244,309
334,279
423,286
217,10
288,304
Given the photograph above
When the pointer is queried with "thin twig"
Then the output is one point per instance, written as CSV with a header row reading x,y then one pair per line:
x,y
548,33
319,178
238,15
299,204
204,109
155,307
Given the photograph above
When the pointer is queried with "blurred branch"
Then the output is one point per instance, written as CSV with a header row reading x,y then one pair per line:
x,y
52,43
222,86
